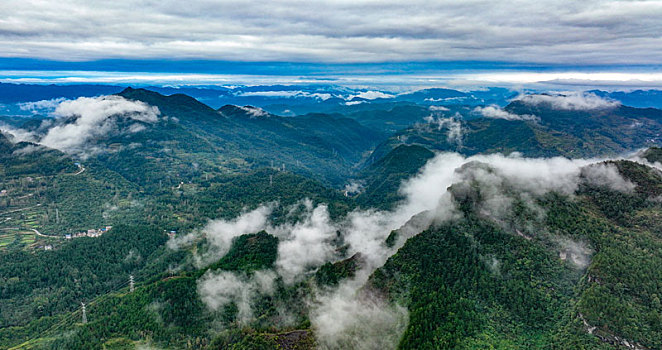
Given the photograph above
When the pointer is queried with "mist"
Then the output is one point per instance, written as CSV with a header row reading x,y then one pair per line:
x,y
349,314
77,124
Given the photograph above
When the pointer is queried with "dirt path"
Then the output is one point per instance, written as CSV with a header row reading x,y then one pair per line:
x,y
43,235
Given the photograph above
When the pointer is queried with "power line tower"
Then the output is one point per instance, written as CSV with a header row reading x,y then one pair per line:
x,y
271,180
131,284
57,216
84,313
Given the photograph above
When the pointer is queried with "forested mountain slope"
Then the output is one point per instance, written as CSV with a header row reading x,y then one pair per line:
x,y
536,131
233,227
513,267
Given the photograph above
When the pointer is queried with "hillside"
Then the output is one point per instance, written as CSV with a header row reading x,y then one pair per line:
x,y
570,133
575,269
578,278
236,138
381,180
422,249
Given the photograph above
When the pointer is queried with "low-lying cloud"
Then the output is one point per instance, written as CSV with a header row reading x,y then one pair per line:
x,y
287,94
42,106
607,175
347,320
93,118
572,101
496,112
371,95
79,123
254,112
220,233
350,316
218,289
453,125
306,244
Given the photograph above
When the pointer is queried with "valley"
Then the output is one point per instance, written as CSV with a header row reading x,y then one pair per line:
x,y
385,225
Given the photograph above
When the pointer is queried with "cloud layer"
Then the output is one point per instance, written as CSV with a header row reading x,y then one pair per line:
x,y
570,32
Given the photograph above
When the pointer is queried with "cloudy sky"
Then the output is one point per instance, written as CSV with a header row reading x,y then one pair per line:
x,y
526,35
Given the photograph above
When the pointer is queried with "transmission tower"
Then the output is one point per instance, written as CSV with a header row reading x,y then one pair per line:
x,y
131,284
84,314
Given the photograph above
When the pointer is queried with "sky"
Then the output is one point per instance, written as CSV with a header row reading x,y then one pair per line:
x,y
454,40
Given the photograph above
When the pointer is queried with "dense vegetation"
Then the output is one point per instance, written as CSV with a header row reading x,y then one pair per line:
x,y
570,133
556,271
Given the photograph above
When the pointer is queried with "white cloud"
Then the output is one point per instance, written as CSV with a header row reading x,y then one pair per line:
x,y
42,106
218,289
353,188
575,101
81,121
606,174
346,317
370,95
353,103
578,253
254,112
17,134
452,124
496,112
220,233
438,108
287,94
306,244
347,320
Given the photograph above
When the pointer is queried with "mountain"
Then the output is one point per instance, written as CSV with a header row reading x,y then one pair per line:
x,y
478,280
382,179
653,154
184,234
570,133
635,98
14,93
578,270
249,137
47,191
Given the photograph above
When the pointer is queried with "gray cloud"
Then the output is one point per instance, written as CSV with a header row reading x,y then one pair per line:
x,y
570,32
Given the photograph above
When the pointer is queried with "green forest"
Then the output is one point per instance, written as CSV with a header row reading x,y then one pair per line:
x,y
227,229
